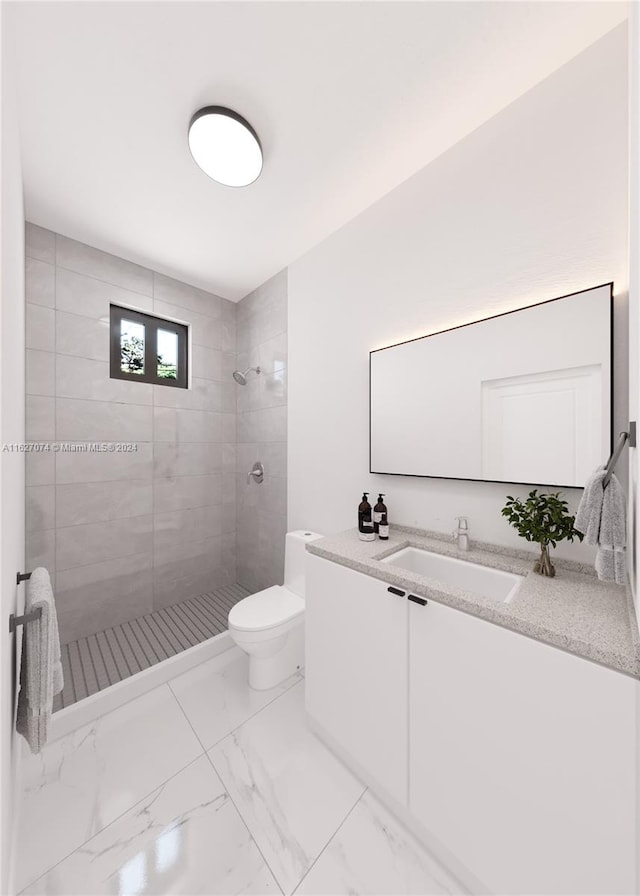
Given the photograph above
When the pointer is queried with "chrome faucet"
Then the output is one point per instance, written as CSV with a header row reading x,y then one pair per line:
x,y
461,533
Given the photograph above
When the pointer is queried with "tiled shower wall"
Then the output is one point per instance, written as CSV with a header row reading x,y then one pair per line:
x,y
124,533
262,434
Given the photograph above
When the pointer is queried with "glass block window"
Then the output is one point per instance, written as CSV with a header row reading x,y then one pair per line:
x,y
148,349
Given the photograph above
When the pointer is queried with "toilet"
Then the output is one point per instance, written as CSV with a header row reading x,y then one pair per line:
x,y
269,625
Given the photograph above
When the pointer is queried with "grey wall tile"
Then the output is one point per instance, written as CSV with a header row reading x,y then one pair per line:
x,y
40,467
40,507
40,372
85,420
205,550
263,391
92,502
104,466
202,395
186,458
274,458
270,321
40,283
82,378
204,330
228,557
109,268
92,598
173,292
96,542
266,425
262,434
40,327
247,454
40,418
165,424
39,243
229,327
188,526
228,457
273,354
194,571
229,427
228,366
79,294
84,337
177,425
41,549
184,492
274,496
206,363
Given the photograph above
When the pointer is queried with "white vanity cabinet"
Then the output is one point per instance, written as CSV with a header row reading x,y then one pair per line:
x,y
356,668
518,758
521,757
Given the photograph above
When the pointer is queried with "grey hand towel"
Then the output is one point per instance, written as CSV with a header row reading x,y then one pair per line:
x,y
589,512
611,563
41,668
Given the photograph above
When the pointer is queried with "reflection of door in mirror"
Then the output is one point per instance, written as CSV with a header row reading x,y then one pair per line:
x,y
518,413
521,397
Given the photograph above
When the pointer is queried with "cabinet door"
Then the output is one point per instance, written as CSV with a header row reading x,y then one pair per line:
x,y
356,668
521,757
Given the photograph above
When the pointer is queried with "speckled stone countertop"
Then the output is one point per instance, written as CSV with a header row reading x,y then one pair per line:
x,y
573,611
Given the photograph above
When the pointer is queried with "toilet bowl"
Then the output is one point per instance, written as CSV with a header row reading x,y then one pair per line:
x,y
269,625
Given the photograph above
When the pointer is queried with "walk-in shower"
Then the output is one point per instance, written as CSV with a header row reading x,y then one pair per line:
x,y
139,508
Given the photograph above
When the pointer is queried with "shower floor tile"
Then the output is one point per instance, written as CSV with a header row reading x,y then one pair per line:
x,y
98,661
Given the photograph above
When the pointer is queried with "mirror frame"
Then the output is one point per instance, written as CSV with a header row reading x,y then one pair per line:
x,y
472,323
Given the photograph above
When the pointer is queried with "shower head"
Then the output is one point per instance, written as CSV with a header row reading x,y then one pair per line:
x,y
241,378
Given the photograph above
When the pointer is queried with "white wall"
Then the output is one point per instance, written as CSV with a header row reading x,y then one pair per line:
x,y
530,206
12,341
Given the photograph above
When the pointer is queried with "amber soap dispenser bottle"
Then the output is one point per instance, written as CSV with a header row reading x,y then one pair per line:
x,y
378,511
364,512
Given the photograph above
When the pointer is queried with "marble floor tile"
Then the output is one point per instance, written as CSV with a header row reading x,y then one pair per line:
x,y
216,697
291,791
185,837
374,855
81,783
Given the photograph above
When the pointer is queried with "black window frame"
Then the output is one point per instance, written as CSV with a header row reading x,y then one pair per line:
x,y
151,325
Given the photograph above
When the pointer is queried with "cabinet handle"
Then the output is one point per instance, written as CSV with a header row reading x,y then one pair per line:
x,y
418,600
396,591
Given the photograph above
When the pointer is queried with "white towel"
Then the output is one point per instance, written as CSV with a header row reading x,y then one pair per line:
x,y
601,517
41,667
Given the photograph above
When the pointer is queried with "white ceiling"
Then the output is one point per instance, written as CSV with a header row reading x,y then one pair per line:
x,y
349,99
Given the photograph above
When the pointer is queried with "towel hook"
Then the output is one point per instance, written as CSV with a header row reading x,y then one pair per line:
x,y
15,621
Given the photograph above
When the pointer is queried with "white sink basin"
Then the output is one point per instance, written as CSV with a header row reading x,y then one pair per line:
x,y
481,580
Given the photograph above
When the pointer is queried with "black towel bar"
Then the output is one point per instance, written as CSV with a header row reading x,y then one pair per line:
x,y
625,437
22,577
15,621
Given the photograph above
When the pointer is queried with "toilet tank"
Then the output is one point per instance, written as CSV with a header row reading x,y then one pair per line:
x,y
295,549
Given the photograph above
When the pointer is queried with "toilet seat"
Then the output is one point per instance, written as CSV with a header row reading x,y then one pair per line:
x,y
266,610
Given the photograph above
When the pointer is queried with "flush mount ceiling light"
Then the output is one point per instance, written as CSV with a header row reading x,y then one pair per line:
x,y
225,146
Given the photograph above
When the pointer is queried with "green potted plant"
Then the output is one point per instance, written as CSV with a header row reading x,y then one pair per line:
x,y
543,519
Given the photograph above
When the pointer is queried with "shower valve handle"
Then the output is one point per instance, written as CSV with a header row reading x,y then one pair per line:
x,y
257,472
